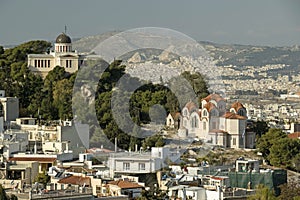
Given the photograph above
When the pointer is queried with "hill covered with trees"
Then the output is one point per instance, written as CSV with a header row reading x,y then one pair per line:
x,y
51,98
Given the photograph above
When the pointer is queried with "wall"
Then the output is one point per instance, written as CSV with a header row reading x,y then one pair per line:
x,y
10,108
78,135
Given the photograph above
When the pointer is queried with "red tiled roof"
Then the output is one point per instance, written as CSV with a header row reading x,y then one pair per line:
x,y
125,184
37,159
294,135
76,180
175,115
217,178
190,105
237,105
209,106
215,97
231,115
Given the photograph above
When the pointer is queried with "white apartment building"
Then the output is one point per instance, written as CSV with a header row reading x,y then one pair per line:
x,y
141,162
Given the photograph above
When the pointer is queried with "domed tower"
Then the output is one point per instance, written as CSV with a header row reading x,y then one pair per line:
x,y
63,43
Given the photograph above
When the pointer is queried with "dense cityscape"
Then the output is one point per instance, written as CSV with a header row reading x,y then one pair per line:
x,y
150,113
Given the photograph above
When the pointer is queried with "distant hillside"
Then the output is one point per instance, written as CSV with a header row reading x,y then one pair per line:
x,y
224,54
243,55
86,44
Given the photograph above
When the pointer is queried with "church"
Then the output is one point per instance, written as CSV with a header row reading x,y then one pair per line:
x,y
212,123
62,55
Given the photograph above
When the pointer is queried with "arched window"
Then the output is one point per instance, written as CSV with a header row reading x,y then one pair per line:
x,y
205,113
185,112
194,122
242,112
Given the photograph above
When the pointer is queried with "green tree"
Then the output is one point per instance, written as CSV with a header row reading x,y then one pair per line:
x,y
267,140
261,127
1,50
283,151
290,190
262,193
153,141
42,178
62,98
296,162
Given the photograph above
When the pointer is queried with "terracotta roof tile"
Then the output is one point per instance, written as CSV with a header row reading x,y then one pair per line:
x,y
191,105
231,115
215,97
294,135
76,180
125,184
209,106
217,178
176,115
237,105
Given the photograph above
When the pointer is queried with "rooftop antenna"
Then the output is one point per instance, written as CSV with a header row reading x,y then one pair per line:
x,y
65,29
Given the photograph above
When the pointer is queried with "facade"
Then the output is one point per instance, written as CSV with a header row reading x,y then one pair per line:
x,y
65,137
14,174
63,55
214,124
122,187
141,162
173,120
9,109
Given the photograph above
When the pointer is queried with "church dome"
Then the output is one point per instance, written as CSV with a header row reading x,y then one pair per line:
x,y
63,38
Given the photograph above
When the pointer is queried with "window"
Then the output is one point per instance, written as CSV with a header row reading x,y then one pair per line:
x,y
48,63
141,166
214,125
184,123
70,63
195,122
234,141
35,63
126,166
242,113
204,113
185,113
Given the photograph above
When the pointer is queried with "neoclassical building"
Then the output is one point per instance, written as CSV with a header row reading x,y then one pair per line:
x,y
214,124
62,55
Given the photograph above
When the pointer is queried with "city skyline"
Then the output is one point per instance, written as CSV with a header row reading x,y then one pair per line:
x,y
272,23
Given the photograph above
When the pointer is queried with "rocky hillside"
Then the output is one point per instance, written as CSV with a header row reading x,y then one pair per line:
x,y
223,54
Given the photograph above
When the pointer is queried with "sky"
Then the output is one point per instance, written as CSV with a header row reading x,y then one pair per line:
x,y
256,22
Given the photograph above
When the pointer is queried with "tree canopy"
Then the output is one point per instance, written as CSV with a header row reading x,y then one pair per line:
x,y
280,150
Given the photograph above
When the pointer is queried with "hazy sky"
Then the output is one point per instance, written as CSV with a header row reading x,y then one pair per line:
x,y
263,22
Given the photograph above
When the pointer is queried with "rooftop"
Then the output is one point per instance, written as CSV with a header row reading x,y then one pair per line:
x,y
125,184
76,180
